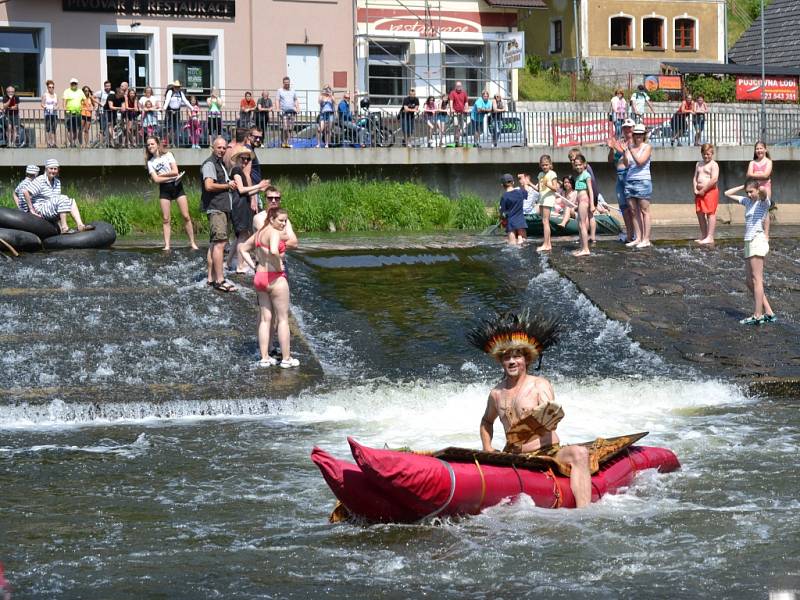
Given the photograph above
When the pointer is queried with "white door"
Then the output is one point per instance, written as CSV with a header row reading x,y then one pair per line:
x,y
302,67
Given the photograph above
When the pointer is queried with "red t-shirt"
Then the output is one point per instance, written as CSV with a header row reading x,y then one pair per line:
x,y
458,100
247,103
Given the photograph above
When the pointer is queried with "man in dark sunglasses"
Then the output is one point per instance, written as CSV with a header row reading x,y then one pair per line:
x,y
256,140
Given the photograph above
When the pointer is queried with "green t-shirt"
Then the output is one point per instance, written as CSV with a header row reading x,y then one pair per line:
x,y
580,181
72,100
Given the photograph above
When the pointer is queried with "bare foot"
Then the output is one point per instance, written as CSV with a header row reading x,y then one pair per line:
x,y
698,241
581,253
706,241
544,248
632,244
194,247
166,248
643,245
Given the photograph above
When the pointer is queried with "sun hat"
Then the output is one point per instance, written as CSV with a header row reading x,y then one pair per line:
x,y
507,178
639,128
31,170
177,83
50,163
241,151
629,123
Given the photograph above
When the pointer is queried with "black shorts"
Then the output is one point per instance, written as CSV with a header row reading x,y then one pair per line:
x,y
171,190
241,214
73,122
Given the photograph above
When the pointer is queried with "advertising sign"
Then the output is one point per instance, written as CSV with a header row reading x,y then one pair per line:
x,y
582,133
194,79
775,88
512,51
156,8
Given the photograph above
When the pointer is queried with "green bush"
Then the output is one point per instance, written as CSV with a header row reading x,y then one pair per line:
x,y
534,64
470,213
114,211
713,89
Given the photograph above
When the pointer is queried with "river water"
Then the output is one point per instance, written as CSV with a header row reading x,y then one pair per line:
x,y
201,486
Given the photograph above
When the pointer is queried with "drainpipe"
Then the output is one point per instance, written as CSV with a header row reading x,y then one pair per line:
x,y
577,38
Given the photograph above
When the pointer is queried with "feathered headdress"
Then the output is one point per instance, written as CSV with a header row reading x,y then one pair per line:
x,y
509,331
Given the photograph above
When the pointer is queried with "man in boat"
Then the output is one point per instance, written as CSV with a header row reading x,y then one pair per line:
x,y
525,403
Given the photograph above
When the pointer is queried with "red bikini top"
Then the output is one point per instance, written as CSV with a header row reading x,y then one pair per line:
x,y
281,245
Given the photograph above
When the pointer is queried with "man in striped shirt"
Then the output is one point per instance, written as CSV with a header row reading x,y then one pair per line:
x,y
31,171
44,198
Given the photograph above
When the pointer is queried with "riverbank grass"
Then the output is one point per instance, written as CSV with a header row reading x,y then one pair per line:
x,y
340,205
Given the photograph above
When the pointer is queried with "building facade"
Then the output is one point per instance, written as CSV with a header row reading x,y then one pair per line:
x,y
428,45
231,45
624,36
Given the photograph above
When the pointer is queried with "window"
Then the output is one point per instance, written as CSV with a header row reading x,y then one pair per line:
x,y
389,74
685,39
556,36
20,55
464,63
621,33
193,63
127,59
653,33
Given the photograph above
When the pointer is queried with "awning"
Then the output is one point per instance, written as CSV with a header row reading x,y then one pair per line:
x,y
707,68
516,3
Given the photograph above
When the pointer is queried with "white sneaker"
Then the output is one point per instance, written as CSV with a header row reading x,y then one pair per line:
x,y
288,364
267,362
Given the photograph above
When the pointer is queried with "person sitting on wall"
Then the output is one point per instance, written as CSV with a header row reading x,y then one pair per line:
x,y
44,198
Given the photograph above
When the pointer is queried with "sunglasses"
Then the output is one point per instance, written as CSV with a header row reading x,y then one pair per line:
x,y
273,198
245,159
258,137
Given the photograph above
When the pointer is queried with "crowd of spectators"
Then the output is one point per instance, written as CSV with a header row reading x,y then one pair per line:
x,y
120,117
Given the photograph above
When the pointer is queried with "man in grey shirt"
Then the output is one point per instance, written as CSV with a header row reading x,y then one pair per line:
x,y
289,106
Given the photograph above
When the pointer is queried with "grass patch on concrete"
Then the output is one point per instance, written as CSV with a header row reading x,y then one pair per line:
x,y
546,87
340,204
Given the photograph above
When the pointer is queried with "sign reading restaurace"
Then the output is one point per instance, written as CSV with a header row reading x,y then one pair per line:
x,y
775,88
156,8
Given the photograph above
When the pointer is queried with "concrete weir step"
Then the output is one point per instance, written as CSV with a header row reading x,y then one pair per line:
x,y
684,302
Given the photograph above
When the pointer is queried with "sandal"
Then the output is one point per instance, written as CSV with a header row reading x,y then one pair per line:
x,y
86,228
267,362
224,286
770,318
69,231
288,363
752,320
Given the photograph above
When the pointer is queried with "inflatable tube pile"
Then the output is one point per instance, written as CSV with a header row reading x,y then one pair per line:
x,y
606,224
102,236
392,486
21,240
27,232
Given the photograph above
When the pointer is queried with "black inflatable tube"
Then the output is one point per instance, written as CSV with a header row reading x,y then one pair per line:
x,y
24,241
11,218
102,236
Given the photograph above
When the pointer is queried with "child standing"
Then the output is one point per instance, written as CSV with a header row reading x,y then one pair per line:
x,y
706,194
194,126
756,247
583,185
511,211
548,185
760,169
149,120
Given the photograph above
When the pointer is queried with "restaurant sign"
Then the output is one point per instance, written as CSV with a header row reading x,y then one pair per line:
x,y
156,8
775,88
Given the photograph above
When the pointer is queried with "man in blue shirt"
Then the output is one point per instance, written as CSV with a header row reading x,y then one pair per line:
x,y
480,111
354,132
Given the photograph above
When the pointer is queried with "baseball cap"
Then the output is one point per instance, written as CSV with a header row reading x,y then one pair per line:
x,y
640,128
629,123
507,178
73,80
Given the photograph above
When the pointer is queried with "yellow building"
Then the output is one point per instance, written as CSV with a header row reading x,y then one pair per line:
x,y
622,36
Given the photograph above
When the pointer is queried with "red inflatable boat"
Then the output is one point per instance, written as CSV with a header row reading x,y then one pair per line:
x,y
392,486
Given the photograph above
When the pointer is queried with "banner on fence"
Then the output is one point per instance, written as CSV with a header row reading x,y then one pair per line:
x,y
582,133
780,88
666,83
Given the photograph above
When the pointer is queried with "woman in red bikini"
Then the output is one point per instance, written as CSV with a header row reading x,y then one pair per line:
x,y
271,285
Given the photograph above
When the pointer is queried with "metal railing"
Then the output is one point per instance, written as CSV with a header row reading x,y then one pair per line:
x,y
386,127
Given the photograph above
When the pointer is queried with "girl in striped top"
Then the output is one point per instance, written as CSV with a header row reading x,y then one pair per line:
x,y
756,247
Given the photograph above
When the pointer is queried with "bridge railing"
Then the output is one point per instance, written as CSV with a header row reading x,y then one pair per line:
x,y
34,128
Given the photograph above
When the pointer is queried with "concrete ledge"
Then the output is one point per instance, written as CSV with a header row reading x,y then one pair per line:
x,y
380,157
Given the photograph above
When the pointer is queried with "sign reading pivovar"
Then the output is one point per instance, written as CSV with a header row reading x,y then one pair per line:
x,y
161,8
775,88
